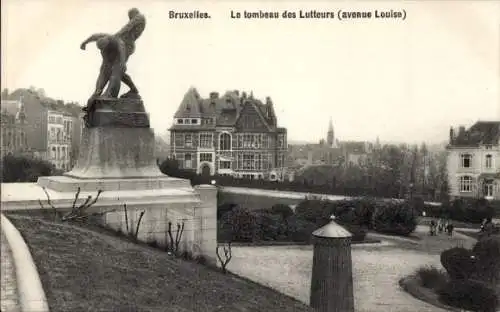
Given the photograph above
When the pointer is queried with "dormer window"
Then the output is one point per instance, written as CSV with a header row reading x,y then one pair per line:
x,y
194,121
187,121
180,121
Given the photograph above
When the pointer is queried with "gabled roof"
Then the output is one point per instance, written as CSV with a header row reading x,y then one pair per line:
x,y
225,109
482,132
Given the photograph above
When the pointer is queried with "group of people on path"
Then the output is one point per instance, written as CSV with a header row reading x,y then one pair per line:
x,y
441,226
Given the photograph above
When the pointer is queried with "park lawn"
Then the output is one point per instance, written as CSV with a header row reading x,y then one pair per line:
x,y
82,270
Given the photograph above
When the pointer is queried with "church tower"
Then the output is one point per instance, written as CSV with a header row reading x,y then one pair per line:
x,y
330,136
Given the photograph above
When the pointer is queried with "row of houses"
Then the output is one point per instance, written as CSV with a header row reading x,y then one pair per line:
x,y
38,126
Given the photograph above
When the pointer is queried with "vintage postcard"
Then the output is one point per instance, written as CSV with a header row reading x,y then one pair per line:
x,y
190,156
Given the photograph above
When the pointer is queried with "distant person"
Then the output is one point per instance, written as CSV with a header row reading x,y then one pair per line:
x,y
432,227
440,225
449,228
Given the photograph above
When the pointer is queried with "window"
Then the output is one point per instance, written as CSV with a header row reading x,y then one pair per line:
x,y
188,139
180,121
194,121
281,141
223,164
466,184
206,140
248,161
466,160
265,141
206,157
179,139
489,161
488,188
225,141
188,163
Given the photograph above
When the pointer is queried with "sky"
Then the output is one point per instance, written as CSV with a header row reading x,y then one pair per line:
x,y
400,80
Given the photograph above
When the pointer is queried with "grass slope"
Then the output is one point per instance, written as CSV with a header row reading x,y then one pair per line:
x,y
82,270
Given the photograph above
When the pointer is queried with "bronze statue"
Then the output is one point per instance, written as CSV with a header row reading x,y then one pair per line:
x,y
115,51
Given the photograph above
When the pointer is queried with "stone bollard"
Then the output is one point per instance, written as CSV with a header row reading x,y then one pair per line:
x,y
331,280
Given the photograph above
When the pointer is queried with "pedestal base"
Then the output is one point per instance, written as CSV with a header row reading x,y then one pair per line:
x,y
115,153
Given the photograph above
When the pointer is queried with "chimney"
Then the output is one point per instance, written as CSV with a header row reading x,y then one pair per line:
x,y
451,135
244,95
214,95
269,101
461,130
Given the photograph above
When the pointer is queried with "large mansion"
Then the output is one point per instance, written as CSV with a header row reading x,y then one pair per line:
x,y
474,161
233,134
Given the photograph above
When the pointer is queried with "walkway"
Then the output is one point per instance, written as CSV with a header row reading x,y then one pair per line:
x,y
9,298
376,269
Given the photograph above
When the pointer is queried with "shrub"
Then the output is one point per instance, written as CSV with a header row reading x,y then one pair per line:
x,y
25,169
239,225
271,226
224,208
470,295
300,230
487,253
315,211
431,277
394,218
350,221
458,262
281,209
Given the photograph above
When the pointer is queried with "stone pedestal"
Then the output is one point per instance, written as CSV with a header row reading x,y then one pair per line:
x,y
110,153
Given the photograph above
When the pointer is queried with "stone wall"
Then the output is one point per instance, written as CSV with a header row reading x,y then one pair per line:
x,y
197,208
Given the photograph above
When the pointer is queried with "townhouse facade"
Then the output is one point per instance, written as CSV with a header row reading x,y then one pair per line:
x,y
473,161
233,134
52,132
14,140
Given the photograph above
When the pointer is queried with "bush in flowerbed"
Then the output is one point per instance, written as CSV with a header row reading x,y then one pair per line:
x,y
240,225
283,210
224,208
300,230
471,295
431,277
271,227
470,210
458,262
315,211
353,214
394,217
487,255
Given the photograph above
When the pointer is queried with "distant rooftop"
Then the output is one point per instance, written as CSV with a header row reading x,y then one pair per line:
x,y
481,133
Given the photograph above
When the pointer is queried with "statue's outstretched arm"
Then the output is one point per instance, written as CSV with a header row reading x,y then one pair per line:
x,y
92,38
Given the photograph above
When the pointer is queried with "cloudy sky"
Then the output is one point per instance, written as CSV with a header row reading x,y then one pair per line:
x,y
402,80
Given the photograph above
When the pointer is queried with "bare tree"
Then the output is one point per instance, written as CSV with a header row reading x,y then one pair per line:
x,y
227,255
129,230
77,212
174,244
